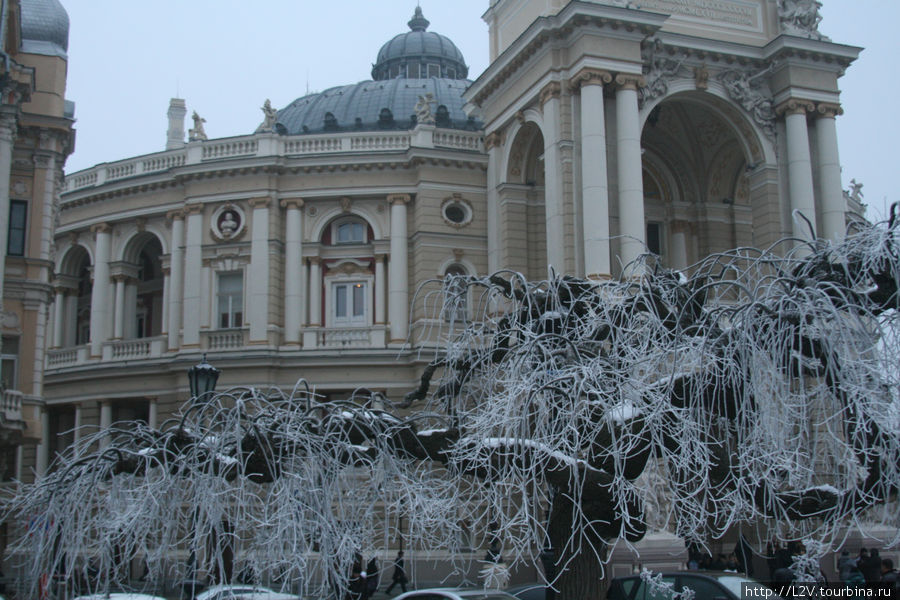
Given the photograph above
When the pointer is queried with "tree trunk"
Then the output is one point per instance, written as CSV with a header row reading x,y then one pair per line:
x,y
581,576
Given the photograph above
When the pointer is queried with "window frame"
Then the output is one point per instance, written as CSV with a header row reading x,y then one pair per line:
x,y
339,223
231,312
340,279
6,357
14,226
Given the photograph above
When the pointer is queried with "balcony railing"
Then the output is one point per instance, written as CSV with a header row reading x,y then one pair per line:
x,y
11,406
225,339
269,144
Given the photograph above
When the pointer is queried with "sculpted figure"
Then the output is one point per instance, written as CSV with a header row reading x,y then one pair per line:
x,y
800,17
196,133
856,191
271,115
423,109
229,225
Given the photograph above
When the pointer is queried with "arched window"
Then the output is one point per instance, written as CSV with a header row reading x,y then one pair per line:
x,y
349,231
456,294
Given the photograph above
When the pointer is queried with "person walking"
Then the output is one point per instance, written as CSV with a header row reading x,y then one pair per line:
x,y
399,575
371,578
845,564
871,566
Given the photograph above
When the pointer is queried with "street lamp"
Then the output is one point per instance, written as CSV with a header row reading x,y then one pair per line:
x,y
203,378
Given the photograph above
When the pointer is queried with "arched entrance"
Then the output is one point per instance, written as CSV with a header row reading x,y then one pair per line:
x,y
700,161
521,200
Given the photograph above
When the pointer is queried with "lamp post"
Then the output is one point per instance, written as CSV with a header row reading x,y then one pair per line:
x,y
202,378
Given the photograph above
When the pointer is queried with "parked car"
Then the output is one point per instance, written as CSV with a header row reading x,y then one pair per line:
x,y
455,594
242,592
119,596
528,591
707,585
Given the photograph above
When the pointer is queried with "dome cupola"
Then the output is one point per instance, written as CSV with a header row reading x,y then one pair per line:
x,y
45,28
419,54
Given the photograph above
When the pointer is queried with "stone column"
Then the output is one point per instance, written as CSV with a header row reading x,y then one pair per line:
x,y
293,258
594,186
315,303
164,325
46,160
43,449
493,143
7,139
193,247
631,184
70,333
258,285
176,278
101,288
76,431
833,207
59,315
129,331
800,181
105,421
119,322
398,287
153,413
379,289
678,246
553,180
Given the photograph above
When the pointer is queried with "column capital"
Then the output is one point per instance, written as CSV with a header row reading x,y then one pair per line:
x,y
175,215
8,126
550,91
590,76
398,199
828,109
314,260
795,106
493,140
680,225
100,228
259,202
43,159
61,289
290,203
630,81
380,256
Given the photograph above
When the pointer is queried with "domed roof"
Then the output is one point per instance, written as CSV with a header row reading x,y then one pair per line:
x,y
376,105
45,27
420,48
410,66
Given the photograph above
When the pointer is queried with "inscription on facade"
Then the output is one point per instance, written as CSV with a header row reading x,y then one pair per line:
x,y
732,12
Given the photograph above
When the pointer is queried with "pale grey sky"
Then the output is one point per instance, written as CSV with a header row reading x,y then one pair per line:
x,y
225,57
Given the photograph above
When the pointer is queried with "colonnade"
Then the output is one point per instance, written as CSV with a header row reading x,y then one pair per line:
x,y
823,201
186,296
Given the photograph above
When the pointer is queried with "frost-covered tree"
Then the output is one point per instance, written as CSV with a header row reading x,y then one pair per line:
x,y
565,416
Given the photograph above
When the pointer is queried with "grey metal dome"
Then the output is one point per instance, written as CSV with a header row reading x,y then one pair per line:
x,y
45,27
419,53
376,106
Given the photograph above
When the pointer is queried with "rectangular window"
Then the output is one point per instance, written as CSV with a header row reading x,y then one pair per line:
x,y
434,70
654,238
9,360
412,70
351,232
18,213
231,300
349,304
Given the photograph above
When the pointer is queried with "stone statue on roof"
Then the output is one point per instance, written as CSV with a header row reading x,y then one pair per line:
x,y
801,18
423,109
271,115
197,133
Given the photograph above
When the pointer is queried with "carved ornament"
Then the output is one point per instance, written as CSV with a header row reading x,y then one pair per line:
x,y
630,81
589,76
493,140
551,90
398,199
100,228
795,106
228,223
829,109
289,203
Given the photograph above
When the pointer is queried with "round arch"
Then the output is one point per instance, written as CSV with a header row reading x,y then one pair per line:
x,y
756,145
70,259
135,239
325,218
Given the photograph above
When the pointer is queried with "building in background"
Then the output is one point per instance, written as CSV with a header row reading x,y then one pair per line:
x,y
598,132
36,136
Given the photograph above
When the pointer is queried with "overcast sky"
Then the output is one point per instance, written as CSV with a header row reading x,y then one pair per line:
x,y
226,57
